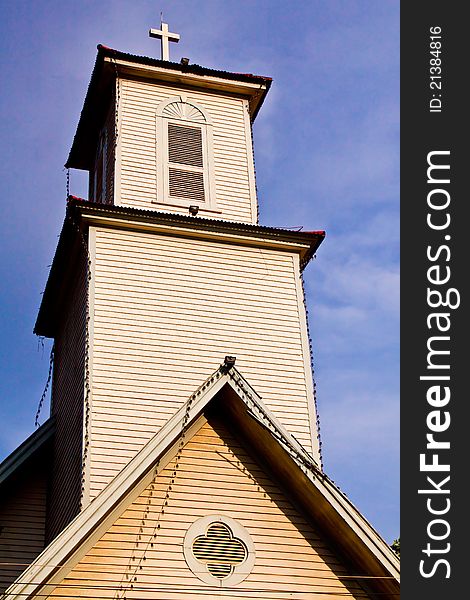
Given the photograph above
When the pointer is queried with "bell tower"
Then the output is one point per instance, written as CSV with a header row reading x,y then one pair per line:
x,y
165,270
168,136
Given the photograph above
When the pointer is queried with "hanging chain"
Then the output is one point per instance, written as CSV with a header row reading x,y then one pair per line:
x,y
302,456
315,403
67,184
46,387
51,356
145,542
87,387
118,99
254,168
117,93
255,97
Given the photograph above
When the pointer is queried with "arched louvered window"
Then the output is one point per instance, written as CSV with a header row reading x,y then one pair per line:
x,y
184,161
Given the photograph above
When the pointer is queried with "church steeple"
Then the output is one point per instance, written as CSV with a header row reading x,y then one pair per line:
x,y
166,469
165,271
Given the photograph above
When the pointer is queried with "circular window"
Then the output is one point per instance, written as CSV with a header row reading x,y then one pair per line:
x,y
219,550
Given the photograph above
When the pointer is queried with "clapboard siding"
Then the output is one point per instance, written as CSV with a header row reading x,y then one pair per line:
x,y
110,154
109,128
216,475
22,520
233,170
166,311
67,407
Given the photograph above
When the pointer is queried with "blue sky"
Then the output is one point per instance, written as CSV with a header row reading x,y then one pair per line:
x,y
327,157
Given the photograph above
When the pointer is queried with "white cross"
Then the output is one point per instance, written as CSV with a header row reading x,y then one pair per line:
x,y
166,37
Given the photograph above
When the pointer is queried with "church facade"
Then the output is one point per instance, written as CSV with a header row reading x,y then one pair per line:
x,y
182,455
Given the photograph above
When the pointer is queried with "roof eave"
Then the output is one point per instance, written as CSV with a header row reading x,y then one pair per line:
x,y
316,494
26,450
254,88
81,214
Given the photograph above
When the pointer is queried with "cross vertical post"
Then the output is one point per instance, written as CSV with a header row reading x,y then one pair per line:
x,y
166,37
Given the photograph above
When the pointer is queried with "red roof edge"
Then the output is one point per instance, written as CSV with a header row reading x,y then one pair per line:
x,y
253,75
72,198
184,68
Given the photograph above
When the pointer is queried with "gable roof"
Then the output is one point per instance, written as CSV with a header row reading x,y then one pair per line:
x,y
28,449
228,393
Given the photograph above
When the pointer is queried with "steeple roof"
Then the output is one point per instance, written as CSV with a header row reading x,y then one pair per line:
x,y
111,63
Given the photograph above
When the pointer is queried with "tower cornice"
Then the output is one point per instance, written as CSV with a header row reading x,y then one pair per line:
x,y
81,214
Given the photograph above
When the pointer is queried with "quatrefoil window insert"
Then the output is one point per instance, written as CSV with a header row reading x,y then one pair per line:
x,y
219,550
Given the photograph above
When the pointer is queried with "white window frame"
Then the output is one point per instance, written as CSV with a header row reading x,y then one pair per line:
x,y
203,123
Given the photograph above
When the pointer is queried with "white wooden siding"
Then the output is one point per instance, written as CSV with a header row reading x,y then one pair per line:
x,y
166,311
67,408
110,154
108,171
216,475
137,150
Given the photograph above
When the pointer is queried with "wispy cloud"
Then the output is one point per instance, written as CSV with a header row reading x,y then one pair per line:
x,y
361,283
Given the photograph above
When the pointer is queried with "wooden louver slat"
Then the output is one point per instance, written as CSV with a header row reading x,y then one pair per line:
x,y
185,163
219,550
186,184
185,145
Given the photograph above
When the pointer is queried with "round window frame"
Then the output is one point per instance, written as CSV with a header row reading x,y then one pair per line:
x,y
199,569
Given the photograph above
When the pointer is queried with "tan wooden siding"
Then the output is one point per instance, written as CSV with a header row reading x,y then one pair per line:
x,y
67,408
216,475
233,165
166,313
22,521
